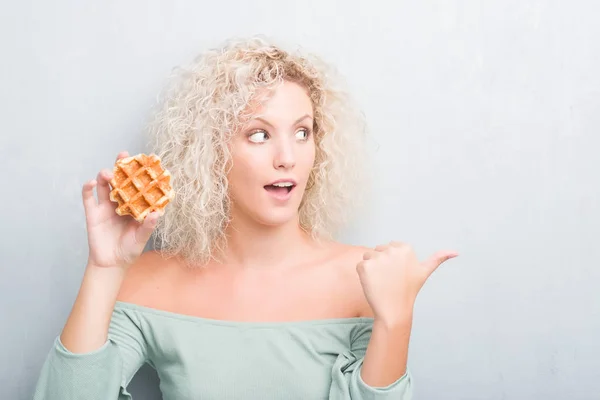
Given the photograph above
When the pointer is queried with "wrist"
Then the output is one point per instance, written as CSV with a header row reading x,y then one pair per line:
x,y
91,265
401,318
104,277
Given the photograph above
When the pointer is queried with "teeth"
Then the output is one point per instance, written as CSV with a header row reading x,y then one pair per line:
x,y
283,184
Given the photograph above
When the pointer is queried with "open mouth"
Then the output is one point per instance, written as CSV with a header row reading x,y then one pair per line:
x,y
279,190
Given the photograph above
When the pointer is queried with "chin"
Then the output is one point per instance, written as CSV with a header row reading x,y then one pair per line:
x,y
262,210
276,217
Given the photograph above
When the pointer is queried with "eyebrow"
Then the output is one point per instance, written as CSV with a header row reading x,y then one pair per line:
x,y
295,123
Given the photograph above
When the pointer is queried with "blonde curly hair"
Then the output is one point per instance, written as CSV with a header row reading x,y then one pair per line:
x,y
205,103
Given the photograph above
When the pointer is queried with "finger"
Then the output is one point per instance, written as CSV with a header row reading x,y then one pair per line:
x,y
368,255
381,247
103,189
397,244
121,155
438,259
145,229
360,267
87,194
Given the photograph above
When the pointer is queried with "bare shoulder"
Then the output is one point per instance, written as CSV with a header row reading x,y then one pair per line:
x,y
350,256
147,279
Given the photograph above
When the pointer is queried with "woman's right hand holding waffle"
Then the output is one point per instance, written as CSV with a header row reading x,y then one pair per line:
x,y
114,240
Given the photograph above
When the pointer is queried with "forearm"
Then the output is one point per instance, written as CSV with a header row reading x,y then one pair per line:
x,y
387,353
87,326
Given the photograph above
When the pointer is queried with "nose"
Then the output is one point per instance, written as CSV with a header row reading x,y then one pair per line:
x,y
284,157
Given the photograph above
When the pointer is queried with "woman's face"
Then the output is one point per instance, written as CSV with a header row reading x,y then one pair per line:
x,y
272,158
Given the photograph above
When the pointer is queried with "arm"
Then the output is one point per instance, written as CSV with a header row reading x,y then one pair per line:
x,y
386,358
86,328
99,350
347,376
85,368
115,243
391,277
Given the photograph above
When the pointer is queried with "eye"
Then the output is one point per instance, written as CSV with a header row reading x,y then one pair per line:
x,y
304,133
258,136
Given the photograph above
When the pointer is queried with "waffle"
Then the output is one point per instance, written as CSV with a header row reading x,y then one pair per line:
x,y
140,186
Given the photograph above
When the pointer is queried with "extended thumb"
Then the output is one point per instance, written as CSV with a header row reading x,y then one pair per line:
x,y
438,259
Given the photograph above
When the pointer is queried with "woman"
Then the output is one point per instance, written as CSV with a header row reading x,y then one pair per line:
x,y
249,297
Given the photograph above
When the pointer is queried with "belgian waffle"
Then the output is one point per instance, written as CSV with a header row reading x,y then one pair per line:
x,y
140,185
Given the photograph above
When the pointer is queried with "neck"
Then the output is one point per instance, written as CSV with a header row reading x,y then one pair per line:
x,y
253,245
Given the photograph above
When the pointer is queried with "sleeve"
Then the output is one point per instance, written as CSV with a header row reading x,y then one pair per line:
x,y
346,380
102,374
